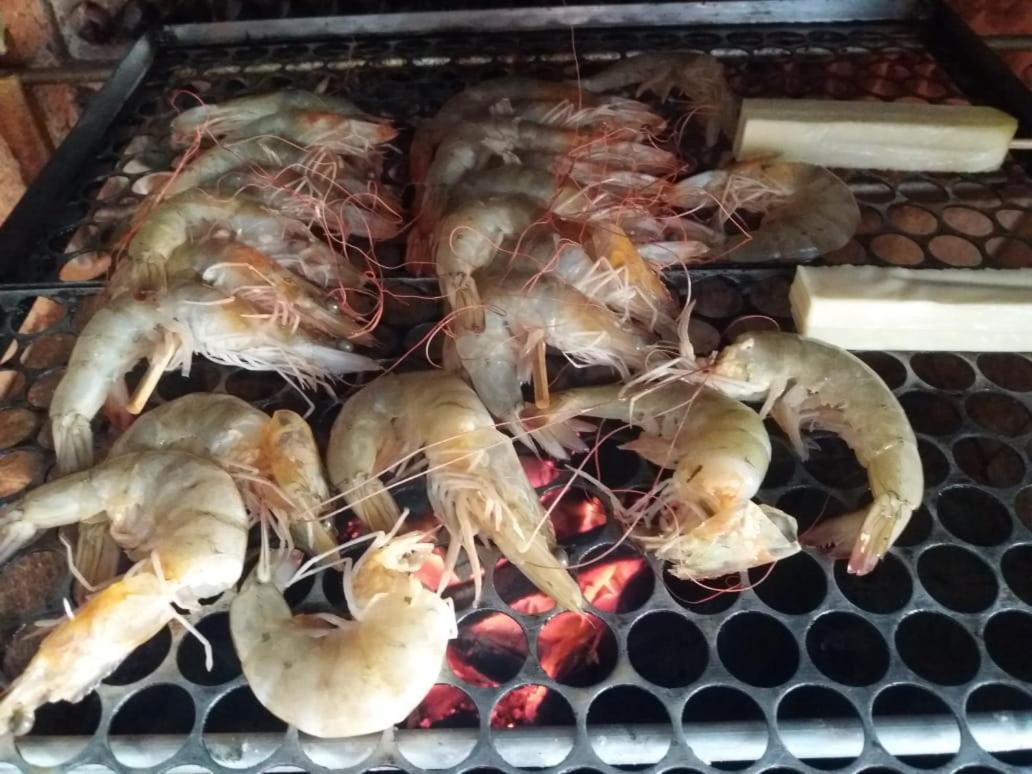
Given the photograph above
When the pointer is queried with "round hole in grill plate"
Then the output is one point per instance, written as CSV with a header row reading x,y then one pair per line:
x,y
1008,253
917,530
529,706
897,704
17,424
142,661
782,465
998,413
42,389
574,512
12,385
770,296
163,714
848,649
445,706
973,515
48,351
771,665
897,249
78,722
793,586
615,580
957,578
933,463
1023,506
19,469
943,370
1016,567
954,251
239,732
667,649
713,595
30,582
1011,372
833,463
967,221
810,505
613,466
703,336
884,589
577,649
253,385
988,461
1007,701
622,706
338,753
930,413
489,650
190,657
841,737
719,704
518,592
716,298
937,648
889,368
1006,637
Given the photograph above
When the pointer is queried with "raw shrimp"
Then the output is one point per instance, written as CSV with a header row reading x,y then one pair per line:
x,y
332,677
181,217
475,481
243,272
168,329
526,314
231,116
701,519
699,77
467,239
274,460
810,384
179,517
267,138
601,262
807,211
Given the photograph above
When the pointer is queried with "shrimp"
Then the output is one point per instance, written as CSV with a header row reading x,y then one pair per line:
x,y
807,384
526,314
467,239
250,275
475,481
807,210
274,460
168,329
263,141
179,218
699,77
601,262
332,677
179,517
232,116
702,519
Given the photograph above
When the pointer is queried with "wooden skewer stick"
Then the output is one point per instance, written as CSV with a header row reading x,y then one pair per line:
x,y
159,361
542,398
1024,143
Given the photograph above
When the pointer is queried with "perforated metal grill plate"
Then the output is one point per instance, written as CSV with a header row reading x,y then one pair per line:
x,y
684,676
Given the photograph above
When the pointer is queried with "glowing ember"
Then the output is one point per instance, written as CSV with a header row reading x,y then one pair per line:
x,y
490,649
575,513
533,604
539,472
444,705
432,571
518,592
604,583
353,528
519,707
569,642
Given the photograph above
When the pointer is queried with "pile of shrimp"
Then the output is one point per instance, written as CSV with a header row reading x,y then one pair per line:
x,y
549,212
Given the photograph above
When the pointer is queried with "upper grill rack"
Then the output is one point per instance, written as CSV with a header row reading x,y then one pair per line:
x,y
683,675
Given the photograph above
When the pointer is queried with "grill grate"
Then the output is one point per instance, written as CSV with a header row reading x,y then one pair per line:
x,y
802,667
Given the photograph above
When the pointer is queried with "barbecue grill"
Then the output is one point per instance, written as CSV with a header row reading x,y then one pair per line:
x,y
922,664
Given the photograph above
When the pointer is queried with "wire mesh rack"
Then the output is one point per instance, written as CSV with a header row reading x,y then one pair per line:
x,y
921,665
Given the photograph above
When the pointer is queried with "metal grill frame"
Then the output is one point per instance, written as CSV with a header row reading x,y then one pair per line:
x,y
28,272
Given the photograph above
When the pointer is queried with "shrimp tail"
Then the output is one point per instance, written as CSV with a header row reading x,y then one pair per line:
x,y
373,504
96,555
464,296
542,568
73,442
417,253
147,276
885,520
556,435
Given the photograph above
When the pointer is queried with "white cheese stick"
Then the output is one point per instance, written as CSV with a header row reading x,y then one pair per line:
x,y
875,135
880,308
